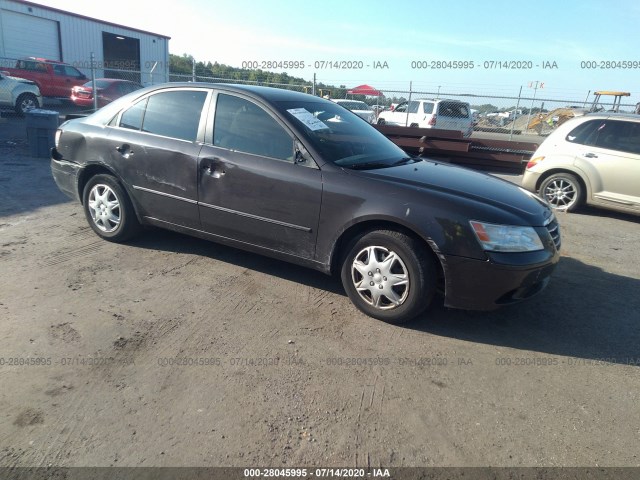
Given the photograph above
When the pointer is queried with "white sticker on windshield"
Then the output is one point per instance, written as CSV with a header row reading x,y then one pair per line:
x,y
307,118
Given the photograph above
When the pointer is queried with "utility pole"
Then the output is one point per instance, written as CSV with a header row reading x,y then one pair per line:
x,y
93,82
535,85
406,122
513,122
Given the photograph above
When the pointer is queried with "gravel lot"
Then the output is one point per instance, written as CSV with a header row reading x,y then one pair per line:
x,y
171,351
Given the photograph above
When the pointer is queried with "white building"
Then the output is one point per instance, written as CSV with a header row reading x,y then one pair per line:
x,y
28,29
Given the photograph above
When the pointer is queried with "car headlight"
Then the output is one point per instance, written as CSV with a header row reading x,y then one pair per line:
x,y
506,238
57,137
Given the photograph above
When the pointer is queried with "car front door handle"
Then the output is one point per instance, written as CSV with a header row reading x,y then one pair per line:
x,y
590,155
213,167
125,150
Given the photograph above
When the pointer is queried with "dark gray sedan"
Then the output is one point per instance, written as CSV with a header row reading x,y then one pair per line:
x,y
300,178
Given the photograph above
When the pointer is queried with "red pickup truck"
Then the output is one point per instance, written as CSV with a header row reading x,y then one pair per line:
x,y
55,79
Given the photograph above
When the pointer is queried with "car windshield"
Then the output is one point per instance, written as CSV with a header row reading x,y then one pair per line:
x,y
342,137
353,105
99,83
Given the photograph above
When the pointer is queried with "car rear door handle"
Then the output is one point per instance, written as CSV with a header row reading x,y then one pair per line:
x,y
590,155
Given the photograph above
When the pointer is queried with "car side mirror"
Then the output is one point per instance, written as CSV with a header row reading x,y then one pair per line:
x,y
301,155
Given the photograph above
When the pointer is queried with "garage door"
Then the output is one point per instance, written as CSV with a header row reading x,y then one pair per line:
x,y
29,36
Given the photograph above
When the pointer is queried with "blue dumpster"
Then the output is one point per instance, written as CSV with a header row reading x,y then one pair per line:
x,y
41,131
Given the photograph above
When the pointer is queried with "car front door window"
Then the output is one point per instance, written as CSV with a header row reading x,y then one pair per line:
x,y
245,127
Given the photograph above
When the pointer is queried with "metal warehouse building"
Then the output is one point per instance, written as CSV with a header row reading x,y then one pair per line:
x,y
31,30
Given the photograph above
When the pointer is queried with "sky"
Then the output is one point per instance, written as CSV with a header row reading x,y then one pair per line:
x,y
560,35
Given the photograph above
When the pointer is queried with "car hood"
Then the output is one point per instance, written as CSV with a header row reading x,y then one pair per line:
x,y
469,184
21,80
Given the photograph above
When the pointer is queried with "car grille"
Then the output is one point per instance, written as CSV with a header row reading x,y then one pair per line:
x,y
554,231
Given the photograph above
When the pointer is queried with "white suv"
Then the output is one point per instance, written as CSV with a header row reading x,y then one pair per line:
x,y
423,113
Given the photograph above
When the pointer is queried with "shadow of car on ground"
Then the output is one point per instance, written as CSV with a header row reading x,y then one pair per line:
x,y
576,316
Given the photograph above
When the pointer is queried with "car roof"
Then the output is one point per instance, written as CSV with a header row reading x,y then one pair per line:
x,y
269,94
437,100
43,60
613,115
112,80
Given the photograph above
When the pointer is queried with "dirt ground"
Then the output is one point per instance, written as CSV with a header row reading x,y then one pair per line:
x,y
172,351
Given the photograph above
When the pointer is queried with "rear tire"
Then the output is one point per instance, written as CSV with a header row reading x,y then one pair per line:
x,y
389,276
563,191
381,121
108,209
25,103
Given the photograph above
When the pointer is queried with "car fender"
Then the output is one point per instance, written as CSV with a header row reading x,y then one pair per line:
x,y
359,225
559,166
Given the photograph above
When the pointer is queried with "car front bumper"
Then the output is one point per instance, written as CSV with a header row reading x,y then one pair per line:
x,y
65,174
472,284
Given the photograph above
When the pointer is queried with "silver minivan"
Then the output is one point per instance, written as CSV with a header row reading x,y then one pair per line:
x,y
423,113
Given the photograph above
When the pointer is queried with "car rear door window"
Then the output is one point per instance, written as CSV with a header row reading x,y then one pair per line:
x,y
585,133
173,114
244,126
454,110
66,71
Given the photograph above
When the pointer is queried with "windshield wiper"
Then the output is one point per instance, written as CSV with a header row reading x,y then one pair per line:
x,y
405,160
367,165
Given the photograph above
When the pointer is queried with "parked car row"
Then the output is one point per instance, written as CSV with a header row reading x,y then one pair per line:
x,y
56,80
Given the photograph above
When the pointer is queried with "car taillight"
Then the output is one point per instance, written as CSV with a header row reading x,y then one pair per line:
x,y
432,122
534,161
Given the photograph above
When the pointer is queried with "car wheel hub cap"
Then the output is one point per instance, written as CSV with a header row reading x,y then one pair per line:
x,y
560,193
380,277
104,207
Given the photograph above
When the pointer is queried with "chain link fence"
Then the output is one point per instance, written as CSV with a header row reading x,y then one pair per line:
x,y
518,115
527,112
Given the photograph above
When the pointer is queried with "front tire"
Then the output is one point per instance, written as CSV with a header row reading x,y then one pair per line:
x,y
25,103
381,121
108,209
563,191
389,276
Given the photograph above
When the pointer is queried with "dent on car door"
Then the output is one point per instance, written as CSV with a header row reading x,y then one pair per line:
x,y
611,156
154,149
250,187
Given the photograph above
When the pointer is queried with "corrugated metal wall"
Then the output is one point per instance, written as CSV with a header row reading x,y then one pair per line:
x,y
79,37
